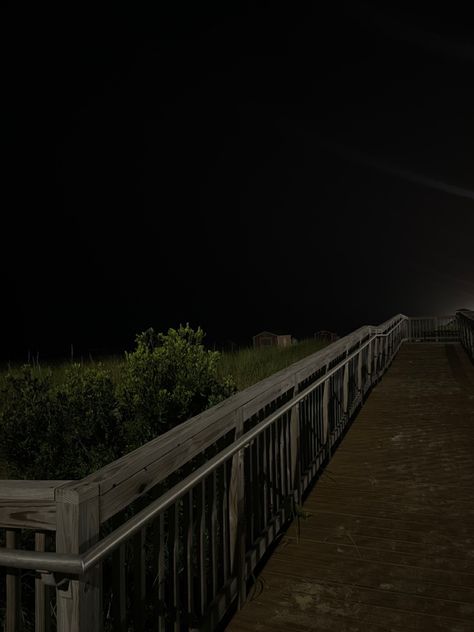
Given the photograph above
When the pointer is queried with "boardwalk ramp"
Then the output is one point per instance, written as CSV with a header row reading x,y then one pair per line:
x,y
386,539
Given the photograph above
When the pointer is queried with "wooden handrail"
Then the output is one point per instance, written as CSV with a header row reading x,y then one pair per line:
x,y
126,479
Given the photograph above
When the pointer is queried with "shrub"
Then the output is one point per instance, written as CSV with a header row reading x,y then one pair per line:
x,y
92,434
69,429
29,425
63,431
166,380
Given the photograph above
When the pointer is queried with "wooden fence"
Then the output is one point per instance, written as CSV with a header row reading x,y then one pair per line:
x,y
168,536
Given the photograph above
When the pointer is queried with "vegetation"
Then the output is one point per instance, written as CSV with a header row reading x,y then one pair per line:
x,y
66,428
68,420
249,366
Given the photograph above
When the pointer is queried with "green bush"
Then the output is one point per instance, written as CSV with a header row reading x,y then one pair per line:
x,y
166,380
59,431
70,428
92,434
29,425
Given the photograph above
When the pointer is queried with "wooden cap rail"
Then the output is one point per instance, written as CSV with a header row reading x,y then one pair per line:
x,y
28,504
128,478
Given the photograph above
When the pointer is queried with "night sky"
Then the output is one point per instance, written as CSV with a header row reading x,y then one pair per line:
x,y
241,166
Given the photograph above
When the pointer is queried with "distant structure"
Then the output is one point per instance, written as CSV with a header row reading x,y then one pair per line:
x,y
326,336
267,339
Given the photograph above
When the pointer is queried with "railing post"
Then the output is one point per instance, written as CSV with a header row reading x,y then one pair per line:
x,y
237,515
326,428
79,601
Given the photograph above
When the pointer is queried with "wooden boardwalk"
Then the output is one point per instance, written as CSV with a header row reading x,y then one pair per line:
x,y
388,542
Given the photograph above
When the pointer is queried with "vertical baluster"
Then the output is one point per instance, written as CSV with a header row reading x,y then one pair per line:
x,y
264,443
42,591
345,388
213,541
322,442
237,507
40,609
271,480
309,435
159,568
281,452
139,585
276,485
339,402
173,548
309,432
13,604
295,454
201,553
225,522
326,427
303,415
314,434
317,424
276,465
119,595
253,488
188,552
257,487
288,453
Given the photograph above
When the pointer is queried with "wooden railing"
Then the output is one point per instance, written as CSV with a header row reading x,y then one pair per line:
x,y
433,329
465,319
168,536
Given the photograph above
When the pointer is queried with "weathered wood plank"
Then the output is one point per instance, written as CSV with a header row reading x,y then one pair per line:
x,y
13,601
28,514
29,490
42,592
28,504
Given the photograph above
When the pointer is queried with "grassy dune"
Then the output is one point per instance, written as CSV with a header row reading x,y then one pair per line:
x,y
247,366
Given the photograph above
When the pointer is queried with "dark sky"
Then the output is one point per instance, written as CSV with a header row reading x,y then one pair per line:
x,y
242,167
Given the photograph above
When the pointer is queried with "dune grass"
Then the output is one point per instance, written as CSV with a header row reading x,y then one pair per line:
x,y
249,366
246,366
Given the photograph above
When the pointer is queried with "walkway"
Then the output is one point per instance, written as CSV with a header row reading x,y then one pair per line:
x,y
388,541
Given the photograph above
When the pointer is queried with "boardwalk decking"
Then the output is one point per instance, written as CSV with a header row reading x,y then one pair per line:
x,y
388,542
